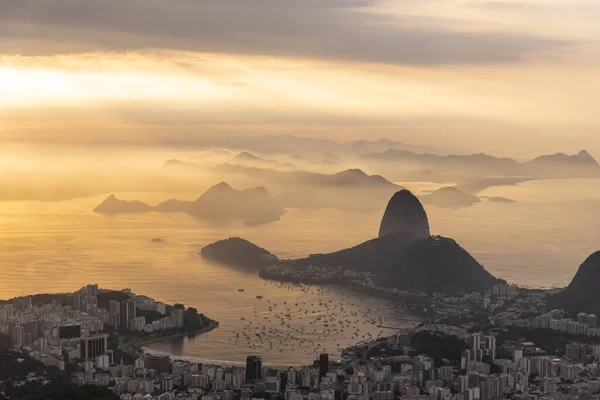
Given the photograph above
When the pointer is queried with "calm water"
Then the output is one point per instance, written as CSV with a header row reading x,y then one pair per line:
x,y
47,247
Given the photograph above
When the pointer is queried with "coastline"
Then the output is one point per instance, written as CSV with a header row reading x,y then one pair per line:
x,y
138,346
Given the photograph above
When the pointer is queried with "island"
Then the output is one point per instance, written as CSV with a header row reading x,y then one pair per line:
x,y
220,203
450,197
500,200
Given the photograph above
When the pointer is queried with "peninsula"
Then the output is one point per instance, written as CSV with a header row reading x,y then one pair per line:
x,y
405,257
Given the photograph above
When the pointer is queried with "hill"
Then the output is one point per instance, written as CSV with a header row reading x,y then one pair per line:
x,y
238,251
430,265
292,144
112,205
450,197
248,159
467,165
560,165
349,190
582,293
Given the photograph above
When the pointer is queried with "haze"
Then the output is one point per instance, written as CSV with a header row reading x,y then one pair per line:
x,y
513,78
311,113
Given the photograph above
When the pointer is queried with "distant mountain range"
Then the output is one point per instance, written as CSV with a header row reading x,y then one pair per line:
x,y
219,203
290,144
550,166
403,257
248,159
351,189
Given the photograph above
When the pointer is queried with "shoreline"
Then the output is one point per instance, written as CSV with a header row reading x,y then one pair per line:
x,y
138,345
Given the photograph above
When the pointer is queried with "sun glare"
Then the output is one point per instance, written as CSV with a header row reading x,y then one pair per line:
x,y
18,86
29,87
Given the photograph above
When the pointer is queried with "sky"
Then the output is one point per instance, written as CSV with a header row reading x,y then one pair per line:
x,y
509,77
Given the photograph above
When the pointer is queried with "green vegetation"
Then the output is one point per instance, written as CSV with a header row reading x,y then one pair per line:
x,y
76,393
65,299
438,346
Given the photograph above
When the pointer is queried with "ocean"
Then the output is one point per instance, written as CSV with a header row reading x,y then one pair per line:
x,y
539,241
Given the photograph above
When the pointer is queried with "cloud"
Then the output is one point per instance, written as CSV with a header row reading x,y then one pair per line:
x,y
326,29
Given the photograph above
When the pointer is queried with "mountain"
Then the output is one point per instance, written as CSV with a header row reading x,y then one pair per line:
x,y
245,156
349,190
223,202
479,165
583,158
403,257
467,165
181,165
292,144
561,165
219,203
582,293
347,178
404,217
431,265
450,197
112,205
248,159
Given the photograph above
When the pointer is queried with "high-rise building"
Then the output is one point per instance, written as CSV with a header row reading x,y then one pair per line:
x,y
93,346
114,314
160,363
491,346
253,369
518,354
323,364
127,314
35,329
77,300
114,307
178,318
91,290
592,320
576,351
17,335
475,341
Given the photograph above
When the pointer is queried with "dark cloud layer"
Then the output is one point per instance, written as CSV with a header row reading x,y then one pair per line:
x,y
325,29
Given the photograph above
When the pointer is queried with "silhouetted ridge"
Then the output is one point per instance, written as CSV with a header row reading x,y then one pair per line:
x,y
113,205
244,155
582,293
219,203
405,217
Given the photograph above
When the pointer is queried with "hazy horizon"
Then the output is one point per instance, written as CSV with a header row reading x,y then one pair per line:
x,y
506,77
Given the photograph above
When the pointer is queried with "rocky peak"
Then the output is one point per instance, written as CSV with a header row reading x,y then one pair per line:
x,y
584,156
406,217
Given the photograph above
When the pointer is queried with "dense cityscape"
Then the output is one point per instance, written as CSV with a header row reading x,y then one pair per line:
x,y
503,343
